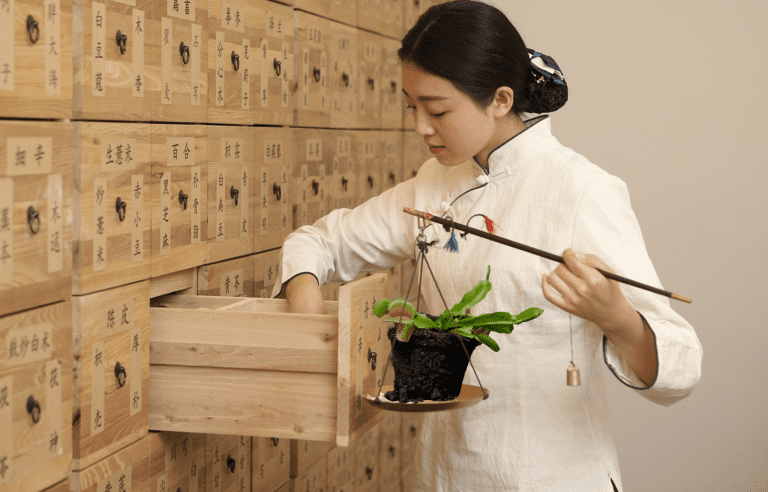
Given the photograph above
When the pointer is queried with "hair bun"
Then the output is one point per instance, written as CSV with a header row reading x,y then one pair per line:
x,y
545,96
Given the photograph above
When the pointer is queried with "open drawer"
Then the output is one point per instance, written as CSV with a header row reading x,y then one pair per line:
x,y
228,365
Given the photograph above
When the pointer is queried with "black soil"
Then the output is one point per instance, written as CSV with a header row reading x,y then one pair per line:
x,y
430,366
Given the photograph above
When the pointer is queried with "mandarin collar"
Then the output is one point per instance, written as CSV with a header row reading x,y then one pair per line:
x,y
505,157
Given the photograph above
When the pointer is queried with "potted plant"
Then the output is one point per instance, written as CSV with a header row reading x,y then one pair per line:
x,y
430,353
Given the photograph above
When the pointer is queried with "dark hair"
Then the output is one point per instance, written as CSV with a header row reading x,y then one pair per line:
x,y
475,46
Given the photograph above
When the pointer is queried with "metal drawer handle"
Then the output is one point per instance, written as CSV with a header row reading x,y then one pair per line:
x,y
345,78
413,430
122,41
277,191
277,66
120,374
33,29
369,472
33,217
371,83
235,61
184,51
392,451
234,193
344,182
33,407
120,206
316,73
372,359
370,181
394,87
183,197
231,462
275,441
315,186
392,177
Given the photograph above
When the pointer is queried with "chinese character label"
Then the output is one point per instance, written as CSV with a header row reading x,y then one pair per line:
x,y
99,224
55,223
29,344
135,346
136,215
197,204
182,9
28,155
98,49
137,54
6,230
166,59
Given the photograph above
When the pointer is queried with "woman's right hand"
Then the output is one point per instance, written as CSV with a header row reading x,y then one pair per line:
x,y
304,295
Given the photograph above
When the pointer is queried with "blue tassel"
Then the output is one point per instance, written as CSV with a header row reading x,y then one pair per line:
x,y
452,245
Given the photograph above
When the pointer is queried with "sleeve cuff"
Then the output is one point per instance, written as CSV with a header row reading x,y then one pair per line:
x,y
620,367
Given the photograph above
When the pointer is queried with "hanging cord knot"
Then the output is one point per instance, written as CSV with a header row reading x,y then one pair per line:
x,y
483,179
445,206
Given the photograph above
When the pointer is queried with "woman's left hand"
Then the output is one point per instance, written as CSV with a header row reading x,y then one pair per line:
x,y
578,288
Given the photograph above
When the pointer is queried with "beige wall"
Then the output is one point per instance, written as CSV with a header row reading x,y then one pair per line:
x,y
670,95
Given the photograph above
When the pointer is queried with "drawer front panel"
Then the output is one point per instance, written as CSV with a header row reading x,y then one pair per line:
x,y
127,469
112,383
392,170
179,197
392,103
179,68
343,185
231,278
274,189
274,74
228,463
369,58
369,164
112,200
231,192
177,461
36,59
231,36
112,57
35,214
313,37
344,79
313,164
36,397
266,266
270,458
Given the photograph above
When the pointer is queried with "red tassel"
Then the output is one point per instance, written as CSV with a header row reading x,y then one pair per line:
x,y
490,225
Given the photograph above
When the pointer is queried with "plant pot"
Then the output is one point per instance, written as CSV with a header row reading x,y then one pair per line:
x,y
430,366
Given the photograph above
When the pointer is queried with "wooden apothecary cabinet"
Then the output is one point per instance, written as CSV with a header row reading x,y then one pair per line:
x,y
237,366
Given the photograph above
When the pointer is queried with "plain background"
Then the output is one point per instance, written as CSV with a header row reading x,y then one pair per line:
x,y
670,95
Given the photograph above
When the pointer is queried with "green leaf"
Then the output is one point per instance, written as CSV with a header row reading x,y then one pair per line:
x,y
490,342
445,320
527,315
465,331
486,319
381,307
423,321
472,298
405,321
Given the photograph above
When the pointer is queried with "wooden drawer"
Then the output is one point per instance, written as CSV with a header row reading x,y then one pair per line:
x,y
367,467
392,25
415,153
111,350
111,59
270,462
412,10
341,469
231,278
112,200
218,367
35,214
314,479
231,192
306,454
392,168
179,68
177,461
313,38
369,71
227,463
342,182
274,74
389,452
179,197
343,76
313,164
265,266
274,189
127,469
370,157
391,85
36,59
35,397
410,438
343,11
231,38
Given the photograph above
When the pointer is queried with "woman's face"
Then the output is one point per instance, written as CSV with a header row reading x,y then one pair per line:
x,y
453,126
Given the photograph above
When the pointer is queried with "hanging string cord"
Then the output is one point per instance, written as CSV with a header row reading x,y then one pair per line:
x,y
570,323
423,246
461,338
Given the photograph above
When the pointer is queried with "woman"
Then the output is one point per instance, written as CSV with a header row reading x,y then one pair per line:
x,y
469,79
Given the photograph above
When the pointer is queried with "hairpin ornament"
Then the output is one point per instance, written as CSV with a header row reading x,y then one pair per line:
x,y
545,68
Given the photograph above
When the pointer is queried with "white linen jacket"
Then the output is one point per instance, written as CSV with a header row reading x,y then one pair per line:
x,y
534,433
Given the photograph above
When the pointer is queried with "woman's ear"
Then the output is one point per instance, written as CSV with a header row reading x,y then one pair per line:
x,y
503,100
